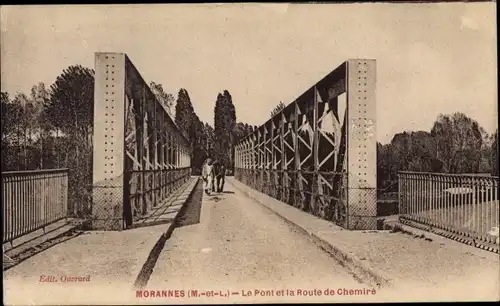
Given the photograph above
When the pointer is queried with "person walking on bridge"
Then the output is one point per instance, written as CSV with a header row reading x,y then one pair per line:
x,y
207,173
220,174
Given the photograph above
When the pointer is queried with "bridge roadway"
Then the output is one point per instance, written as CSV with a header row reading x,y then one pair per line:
x,y
240,245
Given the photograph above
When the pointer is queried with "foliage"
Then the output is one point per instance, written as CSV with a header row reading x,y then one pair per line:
x,y
241,130
494,154
52,128
199,146
456,144
458,141
71,106
224,124
209,135
277,109
184,112
70,111
166,99
193,129
23,124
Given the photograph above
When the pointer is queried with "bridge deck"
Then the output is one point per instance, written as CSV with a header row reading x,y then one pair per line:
x,y
238,244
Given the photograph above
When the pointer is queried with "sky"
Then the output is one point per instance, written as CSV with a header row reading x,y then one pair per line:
x,y
431,58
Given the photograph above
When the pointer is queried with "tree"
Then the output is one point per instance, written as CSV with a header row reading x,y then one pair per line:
x,y
184,112
40,97
22,129
198,141
209,136
192,128
281,106
458,143
70,110
240,131
494,154
9,119
71,105
11,116
224,124
166,99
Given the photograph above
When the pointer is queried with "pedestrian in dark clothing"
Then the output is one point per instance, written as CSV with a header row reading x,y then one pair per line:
x,y
220,174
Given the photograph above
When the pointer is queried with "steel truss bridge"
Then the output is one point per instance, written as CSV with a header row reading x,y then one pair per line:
x,y
319,153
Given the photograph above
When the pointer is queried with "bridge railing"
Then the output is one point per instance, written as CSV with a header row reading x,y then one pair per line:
x,y
286,186
160,184
32,200
463,206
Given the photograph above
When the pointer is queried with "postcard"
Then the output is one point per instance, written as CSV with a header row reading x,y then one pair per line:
x,y
249,153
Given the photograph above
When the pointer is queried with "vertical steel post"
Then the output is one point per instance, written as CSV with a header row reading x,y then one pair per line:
x,y
272,168
284,174
109,140
315,145
362,146
296,174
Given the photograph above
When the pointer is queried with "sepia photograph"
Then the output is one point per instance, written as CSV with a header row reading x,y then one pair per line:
x,y
249,153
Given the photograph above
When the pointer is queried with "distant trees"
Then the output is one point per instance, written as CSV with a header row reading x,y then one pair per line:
x,y
241,130
455,144
209,137
197,132
281,106
494,153
70,113
71,106
166,99
198,137
52,128
24,129
12,118
184,112
224,123
458,141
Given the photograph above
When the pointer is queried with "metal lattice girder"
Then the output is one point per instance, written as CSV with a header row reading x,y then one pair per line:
x,y
140,156
319,153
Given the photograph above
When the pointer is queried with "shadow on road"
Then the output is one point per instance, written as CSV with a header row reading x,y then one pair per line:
x,y
19,258
190,214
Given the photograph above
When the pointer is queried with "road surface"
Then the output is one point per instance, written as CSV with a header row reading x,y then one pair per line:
x,y
240,245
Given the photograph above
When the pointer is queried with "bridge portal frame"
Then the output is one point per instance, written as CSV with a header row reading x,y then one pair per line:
x,y
294,159
139,157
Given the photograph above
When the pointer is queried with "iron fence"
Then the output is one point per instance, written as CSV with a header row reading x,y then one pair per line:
x,y
32,200
466,206
158,186
306,190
